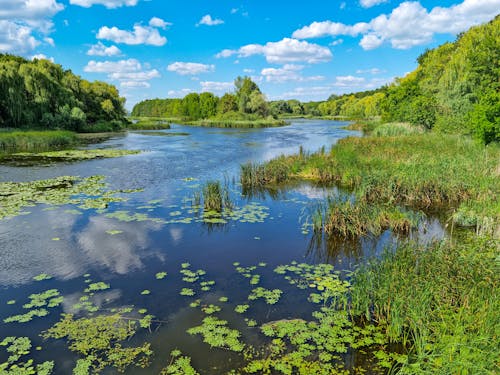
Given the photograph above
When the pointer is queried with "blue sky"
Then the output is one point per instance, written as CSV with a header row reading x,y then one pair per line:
x,y
294,49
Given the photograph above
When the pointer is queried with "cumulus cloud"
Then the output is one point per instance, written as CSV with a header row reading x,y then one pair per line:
x,y
211,86
408,25
287,73
129,73
370,71
209,21
371,3
41,56
148,35
158,22
179,93
190,68
100,49
348,81
110,4
285,51
25,23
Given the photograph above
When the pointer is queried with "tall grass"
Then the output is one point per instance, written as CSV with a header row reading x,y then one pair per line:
x,y
149,124
224,123
215,197
35,141
441,301
342,216
422,171
394,129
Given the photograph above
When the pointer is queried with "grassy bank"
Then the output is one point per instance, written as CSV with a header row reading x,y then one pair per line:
x,y
421,170
29,141
441,302
260,123
149,124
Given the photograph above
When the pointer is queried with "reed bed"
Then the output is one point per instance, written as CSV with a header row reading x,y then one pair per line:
x,y
440,301
35,141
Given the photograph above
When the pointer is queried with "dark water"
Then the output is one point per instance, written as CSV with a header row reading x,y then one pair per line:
x,y
170,170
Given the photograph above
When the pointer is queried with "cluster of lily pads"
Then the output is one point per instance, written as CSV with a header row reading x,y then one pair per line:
x,y
101,334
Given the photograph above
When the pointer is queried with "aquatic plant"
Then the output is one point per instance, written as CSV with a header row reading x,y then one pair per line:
x,y
161,275
99,339
42,276
240,309
187,292
271,296
17,348
216,333
179,365
29,158
29,141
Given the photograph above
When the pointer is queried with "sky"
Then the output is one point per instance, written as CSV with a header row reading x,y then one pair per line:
x,y
294,49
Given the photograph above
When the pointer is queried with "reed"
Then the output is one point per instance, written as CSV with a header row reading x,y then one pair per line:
x,y
440,301
35,141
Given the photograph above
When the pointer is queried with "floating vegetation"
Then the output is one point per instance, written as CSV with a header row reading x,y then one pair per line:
x,y
99,340
179,365
95,287
216,333
161,275
146,292
28,158
127,216
42,276
86,193
17,348
240,309
223,299
37,306
211,309
271,296
113,232
187,292
11,302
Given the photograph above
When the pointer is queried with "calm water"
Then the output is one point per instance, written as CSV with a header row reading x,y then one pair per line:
x,y
170,171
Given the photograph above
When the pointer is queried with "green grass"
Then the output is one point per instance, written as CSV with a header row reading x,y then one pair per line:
x,y
345,218
393,129
441,302
215,197
425,171
216,123
35,141
149,124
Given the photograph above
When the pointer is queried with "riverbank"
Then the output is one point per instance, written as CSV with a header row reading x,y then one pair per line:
x,y
440,300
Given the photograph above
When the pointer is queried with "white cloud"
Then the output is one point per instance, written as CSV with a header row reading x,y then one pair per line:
x,y
248,71
100,49
408,25
25,23
211,86
141,35
371,3
209,21
370,71
284,52
336,42
348,81
41,56
190,68
135,84
158,22
287,73
110,4
179,93
15,38
130,65
129,73
315,92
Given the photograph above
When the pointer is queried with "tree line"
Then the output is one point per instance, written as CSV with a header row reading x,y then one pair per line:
x,y
41,94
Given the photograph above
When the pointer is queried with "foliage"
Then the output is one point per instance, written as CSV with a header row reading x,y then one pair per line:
x,y
66,155
99,339
422,171
179,365
17,348
442,300
42,94
216,333
35,141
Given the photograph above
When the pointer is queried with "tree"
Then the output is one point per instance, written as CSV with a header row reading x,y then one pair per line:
x,y
244,88
257,104
208,105
228,103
